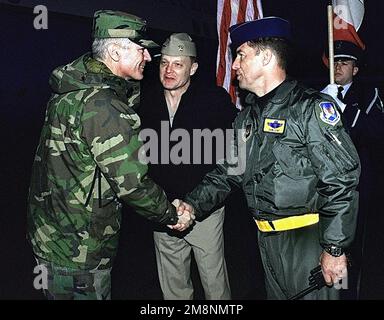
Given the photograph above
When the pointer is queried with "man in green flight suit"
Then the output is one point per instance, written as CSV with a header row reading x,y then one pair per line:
x,y
87,163
300,167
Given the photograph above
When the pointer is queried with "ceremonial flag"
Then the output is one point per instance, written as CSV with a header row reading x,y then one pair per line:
x,y
348,16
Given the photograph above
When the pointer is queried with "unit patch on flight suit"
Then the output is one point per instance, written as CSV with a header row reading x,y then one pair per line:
x,y
274,126
329,113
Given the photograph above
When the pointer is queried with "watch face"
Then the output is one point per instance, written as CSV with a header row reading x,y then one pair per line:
x,y
334,251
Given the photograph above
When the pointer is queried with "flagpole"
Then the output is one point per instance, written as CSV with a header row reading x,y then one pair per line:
x,y
330,43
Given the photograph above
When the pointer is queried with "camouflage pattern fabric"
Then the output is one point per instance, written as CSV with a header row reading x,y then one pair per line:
x,y
118,24
74,284
86,162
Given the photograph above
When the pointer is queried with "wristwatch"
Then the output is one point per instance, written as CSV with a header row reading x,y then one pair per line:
x,y
334,251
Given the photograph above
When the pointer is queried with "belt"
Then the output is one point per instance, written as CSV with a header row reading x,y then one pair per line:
x,y
289,223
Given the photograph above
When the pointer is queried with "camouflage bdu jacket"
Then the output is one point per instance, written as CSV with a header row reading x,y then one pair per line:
x,y
86,162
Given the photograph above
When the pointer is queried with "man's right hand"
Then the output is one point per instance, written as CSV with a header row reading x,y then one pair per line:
x,y
185,213
334,268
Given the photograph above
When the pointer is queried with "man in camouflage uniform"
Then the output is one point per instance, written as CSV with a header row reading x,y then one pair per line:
x,y
87,162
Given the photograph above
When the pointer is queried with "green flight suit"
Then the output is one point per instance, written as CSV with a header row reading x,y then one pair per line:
x,y
293,157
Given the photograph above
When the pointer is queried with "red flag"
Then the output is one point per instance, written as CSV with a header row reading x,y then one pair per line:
x,y
348,16
230,12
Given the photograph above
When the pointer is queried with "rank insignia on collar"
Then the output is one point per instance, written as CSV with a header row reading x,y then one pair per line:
x,y
247,132
329,113
274,126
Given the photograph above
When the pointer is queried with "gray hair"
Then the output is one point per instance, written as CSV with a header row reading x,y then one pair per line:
x,y
100,46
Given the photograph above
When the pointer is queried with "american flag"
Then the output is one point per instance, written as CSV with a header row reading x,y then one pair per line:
x,y
230,12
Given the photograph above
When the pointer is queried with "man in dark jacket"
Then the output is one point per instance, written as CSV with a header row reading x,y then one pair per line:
x,y
190,120
300,167
87,162
363,117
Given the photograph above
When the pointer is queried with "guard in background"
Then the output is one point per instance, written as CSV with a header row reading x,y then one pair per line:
x,y
363,117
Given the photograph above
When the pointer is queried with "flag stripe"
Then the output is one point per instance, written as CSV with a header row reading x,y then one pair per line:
x,y
258,13
223,38
242,10
228,55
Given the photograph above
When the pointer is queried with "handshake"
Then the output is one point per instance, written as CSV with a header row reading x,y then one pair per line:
x,y
186,215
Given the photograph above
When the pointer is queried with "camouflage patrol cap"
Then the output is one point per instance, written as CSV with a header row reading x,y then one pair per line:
x,y
118,24
179,44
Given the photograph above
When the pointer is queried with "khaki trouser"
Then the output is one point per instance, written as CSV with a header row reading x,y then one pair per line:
x,y
173,255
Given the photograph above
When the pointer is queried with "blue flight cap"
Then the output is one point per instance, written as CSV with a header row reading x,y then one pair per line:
x,y
261,28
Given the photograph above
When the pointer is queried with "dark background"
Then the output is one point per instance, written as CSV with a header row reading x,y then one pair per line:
x,y
28,56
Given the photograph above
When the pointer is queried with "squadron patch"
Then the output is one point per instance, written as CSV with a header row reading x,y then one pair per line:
x,y
247,132
329,113
274,126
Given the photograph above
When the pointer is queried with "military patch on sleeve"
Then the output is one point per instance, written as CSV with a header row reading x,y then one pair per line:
x,y
274,126
329,113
